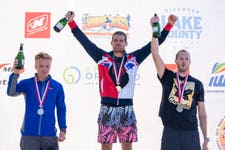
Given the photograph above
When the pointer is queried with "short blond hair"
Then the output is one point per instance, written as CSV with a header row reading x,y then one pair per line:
x,y
43,55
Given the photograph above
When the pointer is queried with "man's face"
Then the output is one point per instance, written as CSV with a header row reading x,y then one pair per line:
x,y
118,43
183,61
43,67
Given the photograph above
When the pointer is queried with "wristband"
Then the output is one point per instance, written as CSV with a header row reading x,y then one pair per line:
x,y
206,139
63,130
168,27
72,24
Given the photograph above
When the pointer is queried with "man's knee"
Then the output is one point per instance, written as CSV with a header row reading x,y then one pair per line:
x,y
106,146
126,146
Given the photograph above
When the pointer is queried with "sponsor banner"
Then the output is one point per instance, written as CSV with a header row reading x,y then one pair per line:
x,y
5,70
37,25
216,83
220,134
106,25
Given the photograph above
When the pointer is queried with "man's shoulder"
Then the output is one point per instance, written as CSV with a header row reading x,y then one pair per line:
x,y
194,79
54,81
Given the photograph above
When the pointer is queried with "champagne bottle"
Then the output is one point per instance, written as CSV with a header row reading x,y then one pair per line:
x,y
20,57
60,24
156,29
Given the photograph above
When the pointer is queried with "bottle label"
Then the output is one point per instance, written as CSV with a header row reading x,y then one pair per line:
x,y
155,29
22,62
59,26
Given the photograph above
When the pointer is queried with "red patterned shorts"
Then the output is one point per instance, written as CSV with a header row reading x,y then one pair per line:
x,y
116,122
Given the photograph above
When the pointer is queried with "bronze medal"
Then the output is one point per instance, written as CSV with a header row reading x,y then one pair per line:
x,y
118,88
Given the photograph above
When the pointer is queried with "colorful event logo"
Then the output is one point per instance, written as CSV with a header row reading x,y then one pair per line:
x,y
105,25
37,25
187,31
220,133
217,80
71,75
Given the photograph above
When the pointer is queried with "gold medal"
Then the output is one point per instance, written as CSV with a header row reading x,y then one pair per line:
x,y
118,74
118,88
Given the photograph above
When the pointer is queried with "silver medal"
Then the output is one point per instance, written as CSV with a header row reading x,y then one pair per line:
x,y
179,108
40,111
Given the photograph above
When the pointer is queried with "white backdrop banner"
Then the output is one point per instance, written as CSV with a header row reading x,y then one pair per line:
x,y
199,29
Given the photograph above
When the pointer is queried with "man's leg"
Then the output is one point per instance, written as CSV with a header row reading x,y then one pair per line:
x,y
29,142
49,143
107,134
171,139
190,140
127,131
126,146
106,146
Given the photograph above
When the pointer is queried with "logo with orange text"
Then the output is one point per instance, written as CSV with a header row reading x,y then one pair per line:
x,y
37,25
220,132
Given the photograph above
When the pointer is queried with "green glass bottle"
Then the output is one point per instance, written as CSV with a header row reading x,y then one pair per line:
x,y
156,29
20,57
60,24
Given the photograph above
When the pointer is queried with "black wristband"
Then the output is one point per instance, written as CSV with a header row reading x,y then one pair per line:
x,y
63,130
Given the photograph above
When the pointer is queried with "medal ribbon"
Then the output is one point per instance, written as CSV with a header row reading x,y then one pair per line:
x,y
118,75
41,100
181,89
